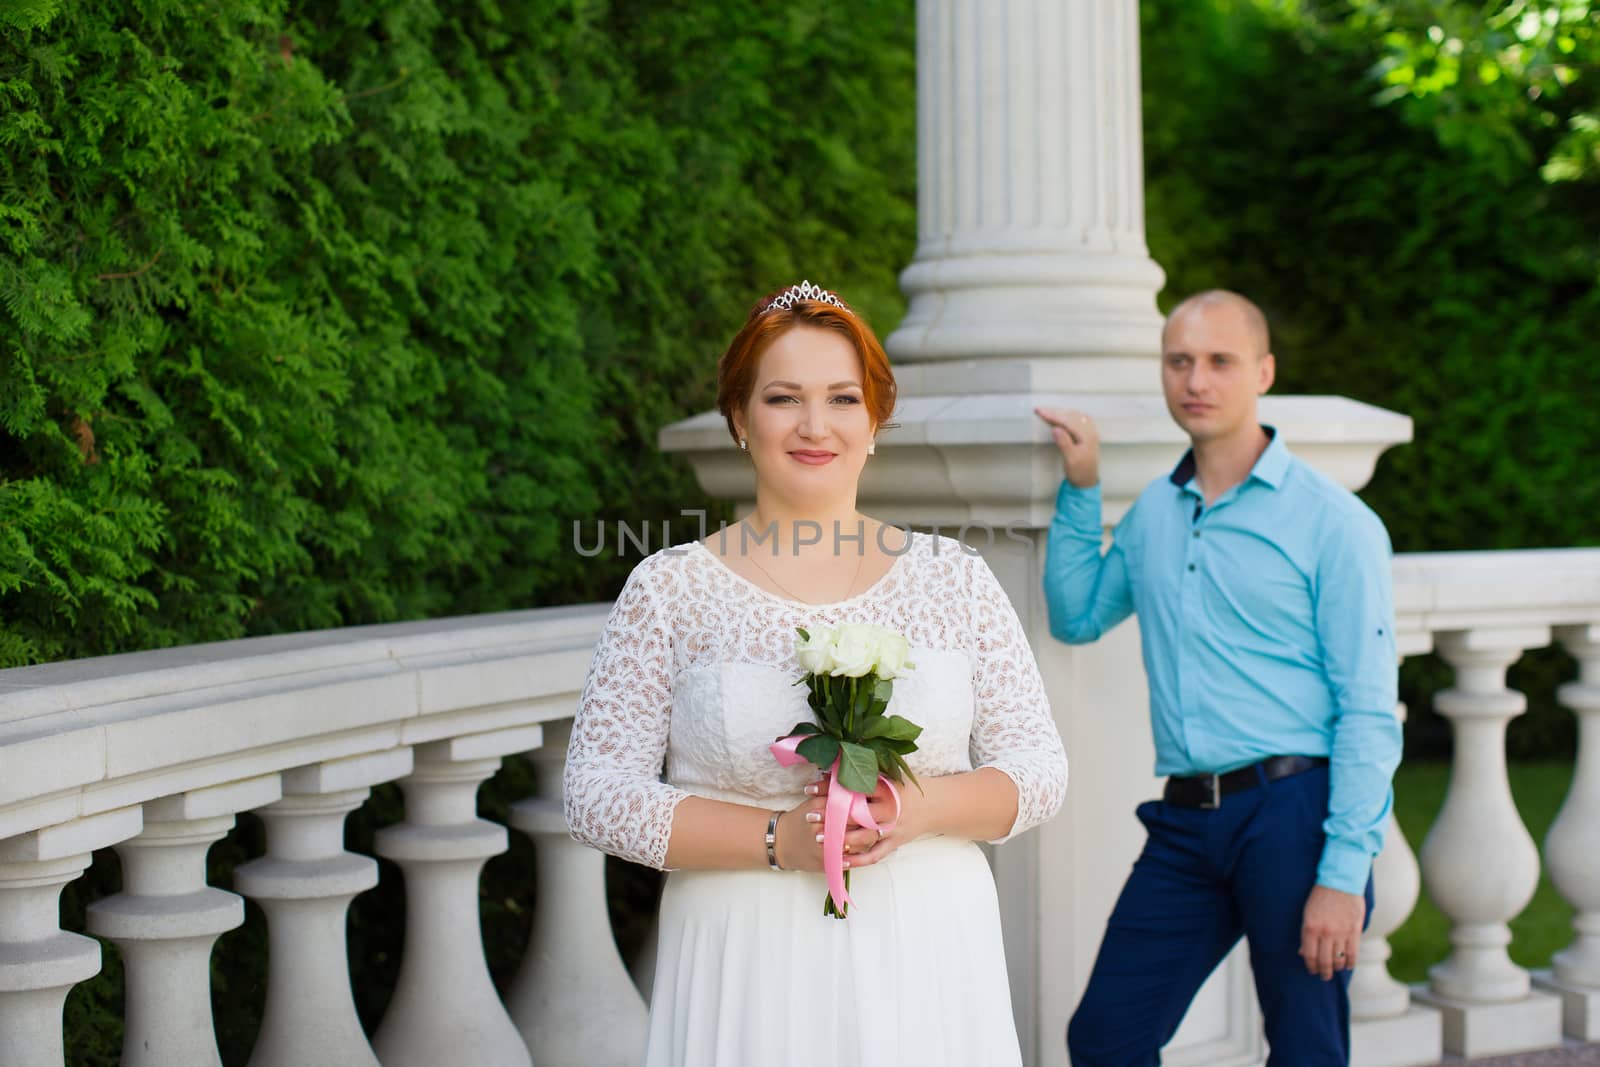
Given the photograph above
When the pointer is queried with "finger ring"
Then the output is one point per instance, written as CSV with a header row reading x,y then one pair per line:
x,y
1338,955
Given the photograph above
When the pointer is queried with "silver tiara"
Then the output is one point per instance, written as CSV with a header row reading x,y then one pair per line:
x,y
804,291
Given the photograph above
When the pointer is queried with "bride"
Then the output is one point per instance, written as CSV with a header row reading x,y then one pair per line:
x,y
695,672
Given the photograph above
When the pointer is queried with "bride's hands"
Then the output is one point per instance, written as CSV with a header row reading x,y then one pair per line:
x,y
799,844
862,846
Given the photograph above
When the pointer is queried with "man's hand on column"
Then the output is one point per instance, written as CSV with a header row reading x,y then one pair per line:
x,y
1079,440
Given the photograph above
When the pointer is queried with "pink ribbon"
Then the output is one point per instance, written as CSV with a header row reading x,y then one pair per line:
x,y
843,806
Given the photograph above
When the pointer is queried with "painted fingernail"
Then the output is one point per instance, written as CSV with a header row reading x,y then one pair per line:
x,y
811,790
847,863
813,816
819,839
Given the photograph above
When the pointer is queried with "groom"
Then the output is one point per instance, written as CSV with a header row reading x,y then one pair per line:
x,y
1266,613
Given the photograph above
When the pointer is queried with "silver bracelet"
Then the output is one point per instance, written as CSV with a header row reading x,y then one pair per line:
x,y
772,841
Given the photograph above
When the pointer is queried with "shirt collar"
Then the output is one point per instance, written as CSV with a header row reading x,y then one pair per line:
x,y
1269,467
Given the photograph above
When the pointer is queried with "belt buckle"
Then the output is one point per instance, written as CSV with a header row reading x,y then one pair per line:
x,y
1214,801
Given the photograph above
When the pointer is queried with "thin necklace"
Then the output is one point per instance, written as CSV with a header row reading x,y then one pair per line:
x,y
860,558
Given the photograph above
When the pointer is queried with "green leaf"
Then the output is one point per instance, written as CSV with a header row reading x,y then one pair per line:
x,y
883,690
858,767
903,772
819,749
801,728
893,727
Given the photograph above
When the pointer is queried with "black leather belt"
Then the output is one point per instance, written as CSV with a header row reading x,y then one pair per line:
x,y
1207,790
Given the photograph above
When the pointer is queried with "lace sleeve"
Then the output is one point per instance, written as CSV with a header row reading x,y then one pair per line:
x,y
614,797
1012,729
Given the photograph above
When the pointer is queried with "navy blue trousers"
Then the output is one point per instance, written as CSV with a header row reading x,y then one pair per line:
x,y
1205,879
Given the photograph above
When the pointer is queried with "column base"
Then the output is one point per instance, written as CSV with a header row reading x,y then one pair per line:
x,y
1580,1007
1414,1038
1472,1030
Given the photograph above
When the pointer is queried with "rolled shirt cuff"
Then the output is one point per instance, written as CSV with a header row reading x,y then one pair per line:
x,y
1345,866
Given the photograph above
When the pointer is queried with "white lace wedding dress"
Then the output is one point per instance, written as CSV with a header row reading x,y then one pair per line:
x,y
695,670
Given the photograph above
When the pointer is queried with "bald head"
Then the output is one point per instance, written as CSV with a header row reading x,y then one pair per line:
x,y
1230,303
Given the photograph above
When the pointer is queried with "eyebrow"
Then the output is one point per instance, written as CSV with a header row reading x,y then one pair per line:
x,y
1185,352
848,383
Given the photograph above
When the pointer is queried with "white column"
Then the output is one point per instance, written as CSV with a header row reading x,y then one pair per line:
x,y
39,961
1386,1028
1030,188
1479,862
573,999
445,1008
1572,847
167,918
305,884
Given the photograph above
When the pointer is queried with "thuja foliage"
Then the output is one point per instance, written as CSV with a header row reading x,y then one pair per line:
x,y
315,314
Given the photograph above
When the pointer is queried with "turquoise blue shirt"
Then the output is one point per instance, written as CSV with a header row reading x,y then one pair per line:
x,y
1267,621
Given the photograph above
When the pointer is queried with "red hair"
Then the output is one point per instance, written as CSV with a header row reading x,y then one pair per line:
x,y
736,371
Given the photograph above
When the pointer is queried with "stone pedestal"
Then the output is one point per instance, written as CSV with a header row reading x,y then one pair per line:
x,y
1472,1030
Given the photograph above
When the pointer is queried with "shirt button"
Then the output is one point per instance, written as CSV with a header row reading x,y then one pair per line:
x,y
1191,566
1197,533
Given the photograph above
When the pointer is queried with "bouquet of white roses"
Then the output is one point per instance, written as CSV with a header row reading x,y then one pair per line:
x,y
849,676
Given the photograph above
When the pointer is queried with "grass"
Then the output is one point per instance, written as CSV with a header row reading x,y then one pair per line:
x,y
1545,925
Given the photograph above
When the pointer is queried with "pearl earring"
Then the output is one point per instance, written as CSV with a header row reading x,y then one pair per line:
x,y
744,446
872,448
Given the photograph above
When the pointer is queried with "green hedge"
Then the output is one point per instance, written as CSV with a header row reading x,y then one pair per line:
x,y
327,314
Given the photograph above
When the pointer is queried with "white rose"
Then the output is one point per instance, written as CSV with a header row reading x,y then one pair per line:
x,y
893,650
815,653
855,650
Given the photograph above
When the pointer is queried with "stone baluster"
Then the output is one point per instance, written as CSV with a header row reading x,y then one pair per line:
x,y
167,918
305,884
1479,862
445,1009
39,961
1572,847
1386,1028
573,999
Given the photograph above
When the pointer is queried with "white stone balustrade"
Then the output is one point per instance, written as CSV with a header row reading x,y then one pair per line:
x,y
584,1015
1572,847
1479,864
154,753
